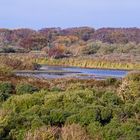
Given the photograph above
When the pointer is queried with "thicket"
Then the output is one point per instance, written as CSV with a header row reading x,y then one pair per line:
x,y
78,112
58,43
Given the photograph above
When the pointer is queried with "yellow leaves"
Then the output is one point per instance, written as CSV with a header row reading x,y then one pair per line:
x,y
130,87
61,48
66,40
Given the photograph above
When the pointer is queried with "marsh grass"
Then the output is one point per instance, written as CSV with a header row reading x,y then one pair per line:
x,y
90,63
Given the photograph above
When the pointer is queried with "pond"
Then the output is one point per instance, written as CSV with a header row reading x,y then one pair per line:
x,y
53,72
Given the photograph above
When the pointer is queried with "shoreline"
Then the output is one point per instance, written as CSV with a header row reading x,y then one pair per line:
x,y
101,68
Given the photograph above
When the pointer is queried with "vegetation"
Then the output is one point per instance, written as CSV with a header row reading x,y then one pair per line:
x,y
57,43
11,63
31,39
6,90
25,88
71,109
90,63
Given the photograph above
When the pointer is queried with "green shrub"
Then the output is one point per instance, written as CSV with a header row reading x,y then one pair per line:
x,y
58,117
4,96
88,115
129,109
95,130
36,123
130,130
112,130
106,49
137,106
91,48
101,112
111,98
73,119
106,115
19,103
6,87
56,89
25,88
53,101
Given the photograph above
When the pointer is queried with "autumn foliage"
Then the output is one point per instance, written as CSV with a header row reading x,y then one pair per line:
x,y
57,52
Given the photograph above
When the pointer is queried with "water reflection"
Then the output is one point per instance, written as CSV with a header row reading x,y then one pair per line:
x,y
52,72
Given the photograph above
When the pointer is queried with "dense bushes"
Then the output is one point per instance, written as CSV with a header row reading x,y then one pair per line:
x,y
100,48
83,112
100,115
111,99
3,96
6,89
91,48
25,88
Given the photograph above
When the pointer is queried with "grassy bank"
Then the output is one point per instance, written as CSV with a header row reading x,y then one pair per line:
x,y
27,61
90,63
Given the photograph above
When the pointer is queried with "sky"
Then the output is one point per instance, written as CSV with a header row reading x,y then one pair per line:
x,y
37,14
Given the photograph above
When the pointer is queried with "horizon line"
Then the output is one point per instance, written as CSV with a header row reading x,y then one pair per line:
x,y
71,27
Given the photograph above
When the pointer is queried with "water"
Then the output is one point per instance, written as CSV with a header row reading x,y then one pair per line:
x,y
53,72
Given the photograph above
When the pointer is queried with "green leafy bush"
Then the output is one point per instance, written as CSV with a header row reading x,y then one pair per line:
x,y
91,48
6,89
98,111
19,103
116,129
58,117
4,96
25,88
106,115
88,115
111,98
95,130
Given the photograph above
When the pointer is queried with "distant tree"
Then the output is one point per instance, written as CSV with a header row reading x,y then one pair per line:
x,y
57,52
34,42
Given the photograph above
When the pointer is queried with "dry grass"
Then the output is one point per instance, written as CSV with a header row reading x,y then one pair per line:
x,y
91,63
74,132
43,133
69,132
